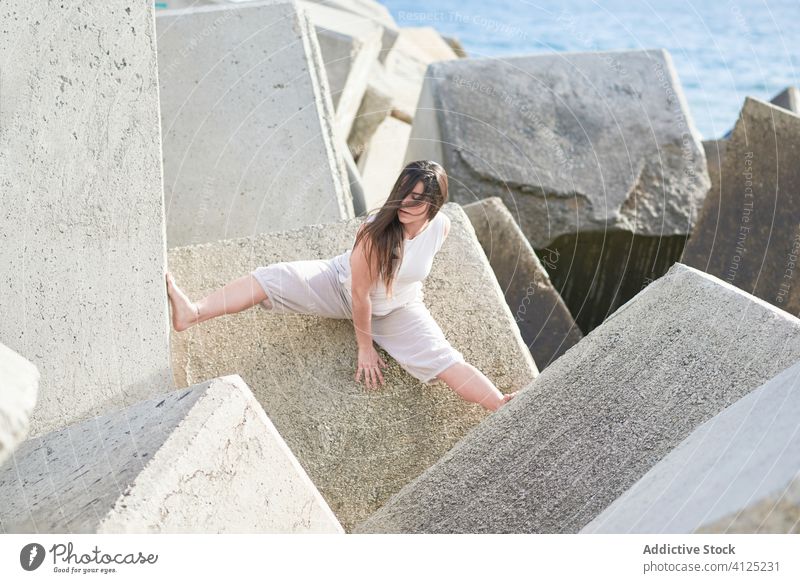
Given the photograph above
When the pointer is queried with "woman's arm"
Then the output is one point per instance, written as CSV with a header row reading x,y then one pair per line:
x,y
361,283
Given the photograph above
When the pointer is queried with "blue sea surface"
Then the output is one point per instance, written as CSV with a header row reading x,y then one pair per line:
x,y
723,51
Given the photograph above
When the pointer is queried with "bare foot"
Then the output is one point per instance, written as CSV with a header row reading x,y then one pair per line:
x,y
184,312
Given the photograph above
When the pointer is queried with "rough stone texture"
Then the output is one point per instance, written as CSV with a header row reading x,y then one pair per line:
x,y
748,452
248,139
19,384
778,513
544,321
349,47
204,459
748,233
535,131
382,162
603,414
358,445
82,249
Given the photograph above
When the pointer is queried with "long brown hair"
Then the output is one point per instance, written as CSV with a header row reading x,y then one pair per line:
x,y
385,232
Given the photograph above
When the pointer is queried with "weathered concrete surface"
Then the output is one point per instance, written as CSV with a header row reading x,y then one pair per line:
x,y
544,321
778,513
748,452
376,104
603,414
248,139
789,99
358,445
82,249
19,384
535,131
349,47
382,162
748,232
205,459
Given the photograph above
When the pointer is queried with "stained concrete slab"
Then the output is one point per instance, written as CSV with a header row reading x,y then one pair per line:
x,y
358,445
544,321
747,232
248,138
382,162
19,385
349,47
617,200
748,452
82,250
601,416
205,459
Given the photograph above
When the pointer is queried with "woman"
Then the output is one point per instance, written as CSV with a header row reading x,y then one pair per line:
x,y
377,284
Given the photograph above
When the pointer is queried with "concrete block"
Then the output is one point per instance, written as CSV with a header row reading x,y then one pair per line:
x,y
601,416
205,459
406,64
248,137
777,513
349,45
82,250
19,385
618,199
358,445
544,321
382,161
789,99
376,104
748,452
456,45
747,233
371,11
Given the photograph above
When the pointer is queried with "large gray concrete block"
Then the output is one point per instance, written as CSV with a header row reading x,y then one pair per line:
x,y
19,385
82,251
349,46
247,123
382,161
748,233
359,445
748,452
597,150
599,417
544,321
205,459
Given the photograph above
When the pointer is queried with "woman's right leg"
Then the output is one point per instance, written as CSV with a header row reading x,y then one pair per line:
x,y
238,295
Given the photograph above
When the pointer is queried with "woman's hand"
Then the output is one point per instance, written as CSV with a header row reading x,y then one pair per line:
x,y
368,363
